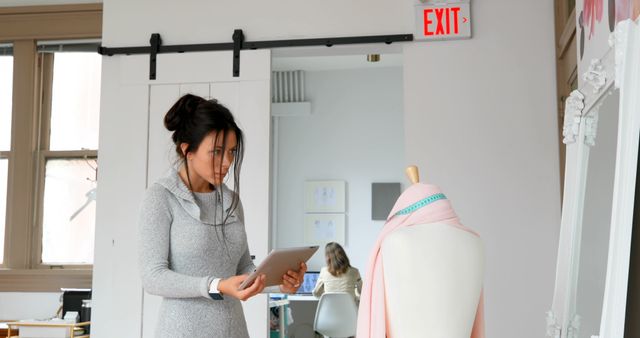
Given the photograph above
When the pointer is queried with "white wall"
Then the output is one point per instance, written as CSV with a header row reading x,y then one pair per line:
x,y
355,134
29,305
129,23
480,117
480,122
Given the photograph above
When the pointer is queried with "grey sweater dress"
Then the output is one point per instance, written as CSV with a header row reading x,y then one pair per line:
x,y
181,251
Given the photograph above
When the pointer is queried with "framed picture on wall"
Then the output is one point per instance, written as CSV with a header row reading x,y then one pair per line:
x,y
324,196
324,228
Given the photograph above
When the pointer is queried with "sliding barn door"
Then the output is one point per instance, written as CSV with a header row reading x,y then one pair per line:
x,y
136,149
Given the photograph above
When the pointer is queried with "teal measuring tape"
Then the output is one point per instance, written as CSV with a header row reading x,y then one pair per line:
x,y
421,203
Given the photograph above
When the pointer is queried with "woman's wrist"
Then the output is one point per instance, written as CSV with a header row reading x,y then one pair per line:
x,y
282,290
222,286
214,291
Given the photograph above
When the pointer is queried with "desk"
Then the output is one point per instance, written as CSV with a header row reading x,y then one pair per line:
x,y
57,329
4,329
303,309
302,298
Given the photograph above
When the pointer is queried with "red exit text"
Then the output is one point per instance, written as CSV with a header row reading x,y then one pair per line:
x,y
442,21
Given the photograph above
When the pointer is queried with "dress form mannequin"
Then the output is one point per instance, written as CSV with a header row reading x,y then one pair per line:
x,y
433,275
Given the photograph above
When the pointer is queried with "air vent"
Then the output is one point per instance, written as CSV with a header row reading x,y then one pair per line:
x,y
287,86
287,94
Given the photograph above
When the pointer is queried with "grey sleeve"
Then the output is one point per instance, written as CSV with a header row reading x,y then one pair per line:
x,y
245,265
153,251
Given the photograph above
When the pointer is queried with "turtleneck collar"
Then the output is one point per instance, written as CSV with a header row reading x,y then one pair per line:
x,y
174,184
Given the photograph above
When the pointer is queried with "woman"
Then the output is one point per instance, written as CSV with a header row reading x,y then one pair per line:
x,y
338,275
193,244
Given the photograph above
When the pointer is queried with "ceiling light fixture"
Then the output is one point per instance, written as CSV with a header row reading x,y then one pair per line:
x,y
373,57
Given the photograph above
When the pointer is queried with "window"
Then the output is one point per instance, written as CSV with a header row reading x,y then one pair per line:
x,y
49,115
68,156
68,224
6,81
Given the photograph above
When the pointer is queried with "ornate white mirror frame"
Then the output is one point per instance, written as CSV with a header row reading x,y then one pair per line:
x,y
619,68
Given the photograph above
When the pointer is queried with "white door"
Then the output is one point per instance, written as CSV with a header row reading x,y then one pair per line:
x,y
136,149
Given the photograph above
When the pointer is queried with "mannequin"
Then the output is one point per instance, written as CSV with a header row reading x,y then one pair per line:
x,y
429,272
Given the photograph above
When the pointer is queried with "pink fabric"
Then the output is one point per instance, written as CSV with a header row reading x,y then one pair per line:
x,y
627,9
593,10
372,320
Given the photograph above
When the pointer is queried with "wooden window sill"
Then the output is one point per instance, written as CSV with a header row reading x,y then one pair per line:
x,y
41,280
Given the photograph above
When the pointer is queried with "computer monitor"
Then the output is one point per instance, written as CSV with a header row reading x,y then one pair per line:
x,y
310,279
72,299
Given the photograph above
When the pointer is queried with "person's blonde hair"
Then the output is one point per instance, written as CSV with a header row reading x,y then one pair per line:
x,y
337,260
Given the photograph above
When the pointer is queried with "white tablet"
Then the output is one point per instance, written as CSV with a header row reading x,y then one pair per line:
x,y
278,262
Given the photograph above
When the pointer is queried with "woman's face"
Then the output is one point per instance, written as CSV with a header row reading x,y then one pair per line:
x,y
210,161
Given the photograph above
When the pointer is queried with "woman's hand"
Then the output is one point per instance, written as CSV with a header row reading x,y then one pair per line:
x,y
292,280
230,286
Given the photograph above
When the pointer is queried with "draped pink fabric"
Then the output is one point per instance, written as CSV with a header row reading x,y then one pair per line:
x,y
627,9
372,320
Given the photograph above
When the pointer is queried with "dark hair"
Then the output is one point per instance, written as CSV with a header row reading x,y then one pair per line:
x,y
191,119
337,260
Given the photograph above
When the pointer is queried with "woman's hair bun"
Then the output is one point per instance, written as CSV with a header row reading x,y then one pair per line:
x,y
181,111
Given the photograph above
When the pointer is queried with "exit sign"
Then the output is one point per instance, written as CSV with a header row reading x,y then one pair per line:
x,y
443,21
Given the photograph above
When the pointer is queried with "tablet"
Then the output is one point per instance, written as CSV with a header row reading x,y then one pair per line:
x,y
278,262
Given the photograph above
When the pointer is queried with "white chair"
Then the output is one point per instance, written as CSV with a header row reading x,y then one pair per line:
x,y
336,316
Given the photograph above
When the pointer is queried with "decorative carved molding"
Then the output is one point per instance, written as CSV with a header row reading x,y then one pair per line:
x,y
591,121
572,116
553,327
618,41
596,76
591,128
574,327
612,39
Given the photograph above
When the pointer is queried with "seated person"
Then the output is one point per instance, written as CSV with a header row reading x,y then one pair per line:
x,y
338,275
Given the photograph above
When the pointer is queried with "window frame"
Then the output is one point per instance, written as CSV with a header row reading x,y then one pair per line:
x,y
566,67
22,270
43,153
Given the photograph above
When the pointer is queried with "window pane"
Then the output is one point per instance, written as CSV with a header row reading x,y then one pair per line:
x,y
6,92
69,211
75,104
4,173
